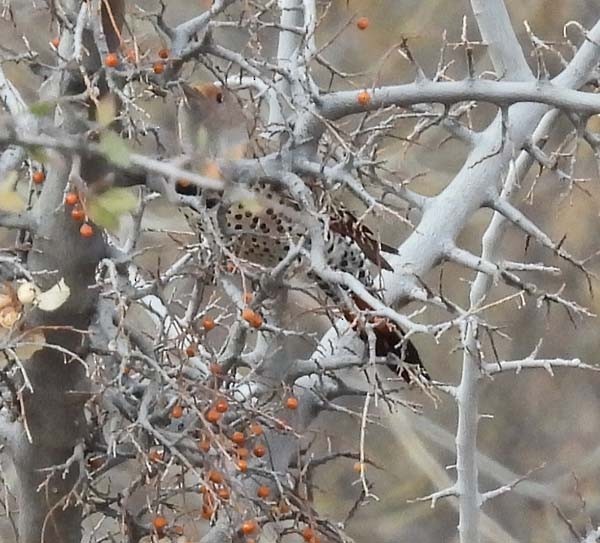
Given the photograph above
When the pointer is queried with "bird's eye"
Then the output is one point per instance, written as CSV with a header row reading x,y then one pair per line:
x,y
219,97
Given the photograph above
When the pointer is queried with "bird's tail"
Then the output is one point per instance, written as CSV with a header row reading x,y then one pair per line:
x,y
389,339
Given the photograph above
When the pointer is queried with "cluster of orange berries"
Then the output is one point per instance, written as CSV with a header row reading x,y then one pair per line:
x,y
217,484
111,60
71,199
215,489
253,318
78,214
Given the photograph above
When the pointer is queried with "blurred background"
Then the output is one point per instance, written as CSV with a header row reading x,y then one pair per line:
x,y
538,423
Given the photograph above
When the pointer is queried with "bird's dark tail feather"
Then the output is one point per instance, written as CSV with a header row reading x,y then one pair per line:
x,y
390,340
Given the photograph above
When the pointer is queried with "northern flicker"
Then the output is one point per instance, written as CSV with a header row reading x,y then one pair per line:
x,y
261,223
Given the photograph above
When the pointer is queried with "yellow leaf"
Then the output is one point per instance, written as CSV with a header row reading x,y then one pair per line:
x,y
106,111
10,200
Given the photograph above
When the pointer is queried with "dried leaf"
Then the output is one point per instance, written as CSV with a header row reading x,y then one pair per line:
x,y
53,298
5,300
9,316
34,341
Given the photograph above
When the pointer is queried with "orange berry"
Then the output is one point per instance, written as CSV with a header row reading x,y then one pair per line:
x,y
224,494
242,452
160,523
308,534
257,321
163,53
208,323
77,214
207,512
252,317
256,429
38,177
362,23
291,402
71,198
259,451
238,438
213,416
249,527
86,230
177,412
204,444
364,98
358,467
242,466
284,508
158,68
222,405
247,297
263,492
156,455
183,183
216,368
191,350
207,497
111,60
215,477
55,42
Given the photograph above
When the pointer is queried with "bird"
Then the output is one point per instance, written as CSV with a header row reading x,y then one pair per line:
x,y
261,222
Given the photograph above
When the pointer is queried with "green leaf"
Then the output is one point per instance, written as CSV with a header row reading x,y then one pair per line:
x,y
118,200
114,148
102,216
106,208
42,108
